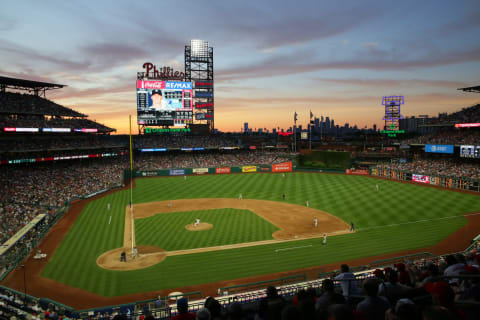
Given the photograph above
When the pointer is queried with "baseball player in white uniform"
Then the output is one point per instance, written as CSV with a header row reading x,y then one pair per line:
x,y
197,222
240,197
324,239
307,204
376,186
315,222
108,206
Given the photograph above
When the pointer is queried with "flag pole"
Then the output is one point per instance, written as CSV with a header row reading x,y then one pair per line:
x,y
310,130
131,184
295,132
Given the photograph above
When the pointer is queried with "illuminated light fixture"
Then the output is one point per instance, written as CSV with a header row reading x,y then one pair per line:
x,y
199,48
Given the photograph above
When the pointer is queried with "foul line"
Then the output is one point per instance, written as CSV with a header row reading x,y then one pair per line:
x,y
412,222
292,248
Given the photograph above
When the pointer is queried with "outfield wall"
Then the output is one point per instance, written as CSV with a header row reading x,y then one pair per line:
x,y
278,167
450,182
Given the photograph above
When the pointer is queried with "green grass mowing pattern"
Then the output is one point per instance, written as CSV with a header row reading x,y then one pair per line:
x,y
352,198
167,230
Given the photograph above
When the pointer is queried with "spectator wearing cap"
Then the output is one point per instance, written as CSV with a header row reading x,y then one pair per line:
x,y
379,274
183,314
391,289
403,274
372,307
405,309
443,295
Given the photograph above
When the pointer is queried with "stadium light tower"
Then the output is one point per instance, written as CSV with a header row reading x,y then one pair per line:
x,y
199,71
392,111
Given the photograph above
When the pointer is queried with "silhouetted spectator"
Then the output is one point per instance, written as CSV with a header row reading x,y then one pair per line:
x,y
270,308
183,314
347,281
372,307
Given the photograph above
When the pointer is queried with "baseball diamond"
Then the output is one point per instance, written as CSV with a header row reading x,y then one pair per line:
x,y
255,239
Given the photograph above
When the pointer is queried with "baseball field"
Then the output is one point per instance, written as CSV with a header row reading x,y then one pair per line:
x,y
258,235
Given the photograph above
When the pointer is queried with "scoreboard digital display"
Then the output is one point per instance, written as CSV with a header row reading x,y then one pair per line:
x,y
469,151
168,103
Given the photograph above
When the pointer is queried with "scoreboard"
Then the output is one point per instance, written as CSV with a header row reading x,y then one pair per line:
x,y
467,151
166,103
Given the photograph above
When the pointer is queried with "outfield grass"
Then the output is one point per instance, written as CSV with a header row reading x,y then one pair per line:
x,y
378,217
167,230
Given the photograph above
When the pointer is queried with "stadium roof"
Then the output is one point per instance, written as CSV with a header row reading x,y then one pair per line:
x,y
471,89
30,85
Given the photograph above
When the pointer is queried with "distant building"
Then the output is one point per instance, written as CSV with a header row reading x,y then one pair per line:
x,y
245,127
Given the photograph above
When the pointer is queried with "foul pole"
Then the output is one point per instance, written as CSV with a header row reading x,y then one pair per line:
x,y
131,182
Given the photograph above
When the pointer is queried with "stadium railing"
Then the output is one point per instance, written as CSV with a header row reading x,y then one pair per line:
x,y
388,262
261,284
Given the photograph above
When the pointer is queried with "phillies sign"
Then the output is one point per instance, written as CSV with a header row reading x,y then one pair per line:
x,y
165,73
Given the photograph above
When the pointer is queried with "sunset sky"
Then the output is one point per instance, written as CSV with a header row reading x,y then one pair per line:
x,y
336,58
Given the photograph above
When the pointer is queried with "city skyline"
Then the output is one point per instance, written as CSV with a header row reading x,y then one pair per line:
x,y
272,58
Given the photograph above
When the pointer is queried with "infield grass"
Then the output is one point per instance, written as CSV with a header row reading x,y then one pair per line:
x,y
167,230
379,218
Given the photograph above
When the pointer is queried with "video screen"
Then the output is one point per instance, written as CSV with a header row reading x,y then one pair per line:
x,y
167,103
467,151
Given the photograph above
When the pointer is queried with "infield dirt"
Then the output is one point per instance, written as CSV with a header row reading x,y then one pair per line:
x,y
295,222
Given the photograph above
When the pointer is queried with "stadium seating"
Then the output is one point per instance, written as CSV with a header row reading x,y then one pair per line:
x,y
445,167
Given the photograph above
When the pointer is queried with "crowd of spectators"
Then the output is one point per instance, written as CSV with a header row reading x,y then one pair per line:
x,y
459,136
31,111
466,115
51,143
17,103
438,167
415,290
208,160
26,191
440,288
40,121
172,141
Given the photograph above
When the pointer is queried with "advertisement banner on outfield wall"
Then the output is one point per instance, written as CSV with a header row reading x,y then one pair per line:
x,y
223,170
374,172
200,170
357,171
177,172
249,169
264,168
282,167
149,173
420,178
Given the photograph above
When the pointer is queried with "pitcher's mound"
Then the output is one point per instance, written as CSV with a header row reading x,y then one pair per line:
x,y
147,256
200,227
